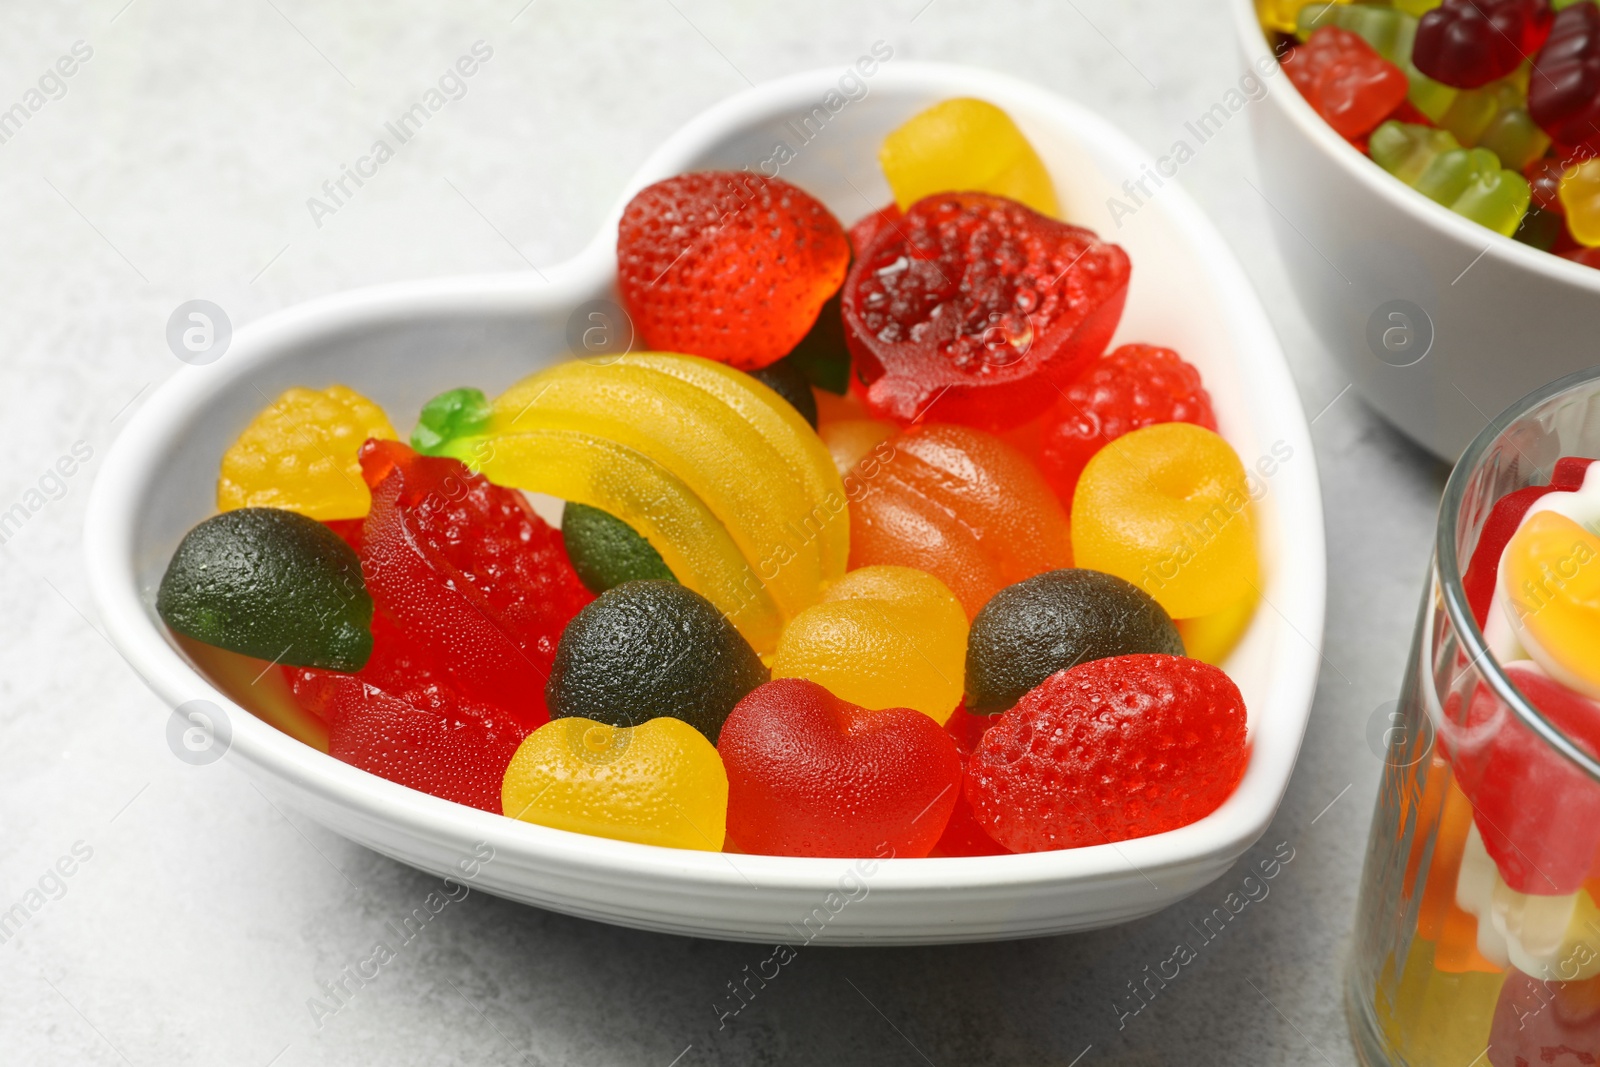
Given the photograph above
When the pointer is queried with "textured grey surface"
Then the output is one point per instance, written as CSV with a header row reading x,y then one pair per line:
x,y
177,165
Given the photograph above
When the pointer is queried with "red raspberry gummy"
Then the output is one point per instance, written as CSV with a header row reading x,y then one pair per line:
x,y
1564,88
727,265
403,718
812,775
1469,43
1133,387
467,568
1346,81
978,308
1112,749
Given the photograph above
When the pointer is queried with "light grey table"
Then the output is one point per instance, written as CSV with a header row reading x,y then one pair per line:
x,y
176,163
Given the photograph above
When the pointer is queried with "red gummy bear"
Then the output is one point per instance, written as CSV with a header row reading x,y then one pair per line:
x,y
403,718
468,569
1135,386
1346,81
1564,88
1109,750
727,265
1538,814
1546,1023
974,305
1484,568
812,775
1470,43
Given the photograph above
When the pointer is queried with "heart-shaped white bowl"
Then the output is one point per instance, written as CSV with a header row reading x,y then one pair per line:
x,y
401,344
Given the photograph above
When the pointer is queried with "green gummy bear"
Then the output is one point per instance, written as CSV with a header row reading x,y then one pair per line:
x,y
1449,174
1497,199
1469,181
449,416
1405,150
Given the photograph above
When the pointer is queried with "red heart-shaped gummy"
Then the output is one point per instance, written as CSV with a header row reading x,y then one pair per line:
x,y
812,775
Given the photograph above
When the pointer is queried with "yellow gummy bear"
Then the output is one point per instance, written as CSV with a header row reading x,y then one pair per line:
x,y
1580,197
1550,577
659,783
965,145
1167,507
718,473
883,637
300,453
1282,15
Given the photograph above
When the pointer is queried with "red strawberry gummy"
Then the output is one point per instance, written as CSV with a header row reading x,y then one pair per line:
x,y
403,718
812,775
467,568
728,265
1564,88
1484,568
1112,749
980,308
1469,43
1346,81
1133,387
962,835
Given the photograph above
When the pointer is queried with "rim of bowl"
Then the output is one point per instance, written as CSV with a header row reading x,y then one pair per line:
x,y
1448,564
1254,43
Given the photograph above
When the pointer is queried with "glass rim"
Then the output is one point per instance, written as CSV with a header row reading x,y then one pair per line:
x,y
1448,567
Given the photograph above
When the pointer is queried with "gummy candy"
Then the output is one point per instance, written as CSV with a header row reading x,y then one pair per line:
x,y
467,567
605,551
1134,386
1550,580
1539,1021
1496,117
1470,182
729,265
1055,621
1346,82
790,382
882,637
1564,91
659,783
644,650
1537,934
1109,750
1286,16
299,453
1210,638
1468,43
965,145
960,504
269,583
810,774
718,473
959,309
1479,579
1167,507
1580,199
1437,1017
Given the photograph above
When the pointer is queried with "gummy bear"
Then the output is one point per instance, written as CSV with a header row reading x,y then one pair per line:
x,y
965,145
659,783
958,503
1167,507
403,717
1470,182
1134,386
1109,750
1580,199
1468,43
1346,82
882,637
1285,16
1564,91
1496,117
299,453
970,306
810,774
467,566
729,265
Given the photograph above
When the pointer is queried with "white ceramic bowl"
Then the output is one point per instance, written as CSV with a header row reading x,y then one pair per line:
x,y
403,343
1361,247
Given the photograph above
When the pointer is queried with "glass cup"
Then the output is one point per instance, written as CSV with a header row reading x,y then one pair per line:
x,y
1478,928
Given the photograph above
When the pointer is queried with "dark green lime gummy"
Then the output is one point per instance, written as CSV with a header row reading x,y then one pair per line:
x,y
450,415
605,551
1053,621
645,650
272,584
822,354
790,382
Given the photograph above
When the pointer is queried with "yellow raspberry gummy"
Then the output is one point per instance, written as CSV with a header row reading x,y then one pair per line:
x,y
965,146
300,453
1167,507
882,637
659,783
1550,578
